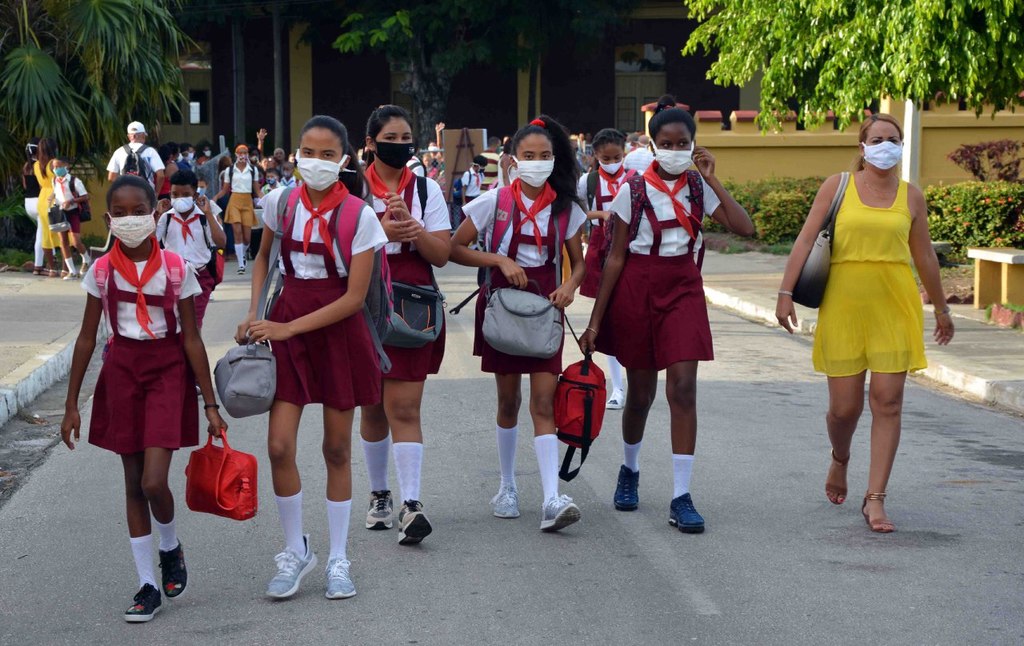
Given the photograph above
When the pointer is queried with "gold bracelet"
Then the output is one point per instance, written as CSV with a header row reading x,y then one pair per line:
x,y
590,329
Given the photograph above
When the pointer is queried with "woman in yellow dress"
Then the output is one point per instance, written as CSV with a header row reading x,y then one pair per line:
x,y
43,170
871,316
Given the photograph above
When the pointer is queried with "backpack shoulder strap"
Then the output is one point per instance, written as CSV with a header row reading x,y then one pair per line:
x,y
421,190
592,178
128,149
637,202
164,220
143,148
286,205
630,174
696,186
101,272
504,203
348,223
175,267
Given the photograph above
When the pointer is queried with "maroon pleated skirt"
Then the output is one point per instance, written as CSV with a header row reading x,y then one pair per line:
x,y
592,280
202,299
414,364
145,397
336,365
500,363
657,315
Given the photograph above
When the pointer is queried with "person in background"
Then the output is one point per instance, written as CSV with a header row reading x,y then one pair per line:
x,y
241,183
43,170
117,165
186,156
490,166
30,186
273,181
168,154
473,180
640,159
279,157
288,178
632,142
70,195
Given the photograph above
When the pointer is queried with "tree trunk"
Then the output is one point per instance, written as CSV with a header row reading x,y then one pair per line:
x,y
429,89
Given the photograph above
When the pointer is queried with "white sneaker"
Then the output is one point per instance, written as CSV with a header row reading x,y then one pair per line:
x,y
339,582
291,567
558,513
506,503
617,401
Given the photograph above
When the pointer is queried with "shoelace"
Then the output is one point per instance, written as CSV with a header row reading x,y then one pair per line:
x,y
338,569
380,504
629,486
686,505
287,562
506,495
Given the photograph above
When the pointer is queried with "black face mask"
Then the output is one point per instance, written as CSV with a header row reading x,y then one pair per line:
x,y
395,155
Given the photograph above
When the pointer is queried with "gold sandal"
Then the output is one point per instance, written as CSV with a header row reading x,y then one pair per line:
x,y
835,495
883,526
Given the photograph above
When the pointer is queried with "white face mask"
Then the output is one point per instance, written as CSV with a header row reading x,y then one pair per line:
x,y
319,174
611,169
674,162
535,172
884,155
183,205
133,230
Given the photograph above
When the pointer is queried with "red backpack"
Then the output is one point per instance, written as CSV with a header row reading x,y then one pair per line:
x,y
579,411
221,481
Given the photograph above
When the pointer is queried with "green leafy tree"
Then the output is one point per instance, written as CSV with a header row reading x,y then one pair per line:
x,y
434,41
841,55
79,71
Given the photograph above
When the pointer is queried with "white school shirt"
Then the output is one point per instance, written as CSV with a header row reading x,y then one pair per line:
x,y
481,212
471,183
581,191
241,180
675,241
62,190
152,157
638,160
195,250
435,219
369,235
127,325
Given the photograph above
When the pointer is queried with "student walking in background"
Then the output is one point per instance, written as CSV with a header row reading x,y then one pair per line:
x,y
70,196
871,316
241,183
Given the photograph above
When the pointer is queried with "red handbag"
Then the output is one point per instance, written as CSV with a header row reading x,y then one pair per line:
x,y
579,411
221,481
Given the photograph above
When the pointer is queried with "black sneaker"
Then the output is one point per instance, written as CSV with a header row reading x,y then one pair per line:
x,y
147,604
413,525
174,576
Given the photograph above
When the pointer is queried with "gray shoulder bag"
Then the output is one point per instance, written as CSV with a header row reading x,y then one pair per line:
x,y
810,286
246,376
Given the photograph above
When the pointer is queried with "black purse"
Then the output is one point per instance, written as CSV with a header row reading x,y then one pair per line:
x,y
418,315
58,218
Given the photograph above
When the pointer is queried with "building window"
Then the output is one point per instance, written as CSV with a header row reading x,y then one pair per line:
x,y
198,107
625,113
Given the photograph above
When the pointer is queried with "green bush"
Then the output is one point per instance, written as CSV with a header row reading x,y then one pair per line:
x,y
781,214
977,214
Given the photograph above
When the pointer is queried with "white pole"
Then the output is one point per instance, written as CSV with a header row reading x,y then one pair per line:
x,y
911,170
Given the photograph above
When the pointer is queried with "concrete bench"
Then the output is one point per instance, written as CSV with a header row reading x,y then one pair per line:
x,y
998,276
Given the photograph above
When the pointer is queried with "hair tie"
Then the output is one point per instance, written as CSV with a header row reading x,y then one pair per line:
x,y
539,123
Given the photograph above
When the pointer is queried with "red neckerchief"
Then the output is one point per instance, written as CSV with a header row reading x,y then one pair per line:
x,y
546,198
683,215
377,187
334,197
186,230
126,267
613,180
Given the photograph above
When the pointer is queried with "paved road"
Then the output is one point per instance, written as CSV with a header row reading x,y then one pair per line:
x,y
778,564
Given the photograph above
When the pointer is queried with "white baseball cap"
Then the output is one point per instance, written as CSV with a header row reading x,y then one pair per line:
x,y
136,128
433,149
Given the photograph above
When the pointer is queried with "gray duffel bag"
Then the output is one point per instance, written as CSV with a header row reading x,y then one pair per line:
x,y
522,323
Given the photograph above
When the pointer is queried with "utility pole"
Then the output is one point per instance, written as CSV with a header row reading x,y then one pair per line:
x,y
280,137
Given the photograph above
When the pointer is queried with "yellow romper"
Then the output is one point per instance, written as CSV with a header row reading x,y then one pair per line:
x,y
871,316
51,240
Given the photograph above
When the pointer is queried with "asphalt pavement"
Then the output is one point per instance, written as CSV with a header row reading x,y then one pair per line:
x,y
778,564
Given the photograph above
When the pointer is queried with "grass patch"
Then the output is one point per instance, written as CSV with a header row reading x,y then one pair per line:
x,y
14,257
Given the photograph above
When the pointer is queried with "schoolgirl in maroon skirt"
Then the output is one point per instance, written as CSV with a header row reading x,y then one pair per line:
x,y
323,347
144,406
415,218
650,311
596,190
523,225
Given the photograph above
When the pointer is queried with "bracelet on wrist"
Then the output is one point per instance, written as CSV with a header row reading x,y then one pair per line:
x,y
944,310
783,292
209,406
590,329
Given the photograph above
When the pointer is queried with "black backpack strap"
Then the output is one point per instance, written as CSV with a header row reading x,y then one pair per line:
x,y
591,188
165,216
421,189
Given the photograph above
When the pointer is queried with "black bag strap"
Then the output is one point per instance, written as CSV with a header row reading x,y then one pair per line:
x,y
833,208
591,188
421,189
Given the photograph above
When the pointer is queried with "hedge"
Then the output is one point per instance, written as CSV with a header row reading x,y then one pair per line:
x,y
977,214
777,205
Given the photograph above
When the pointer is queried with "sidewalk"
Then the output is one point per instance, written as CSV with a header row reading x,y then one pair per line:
x,y
983,361
39,321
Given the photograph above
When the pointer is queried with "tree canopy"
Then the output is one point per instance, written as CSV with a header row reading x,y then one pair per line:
x,y
80,71
841,55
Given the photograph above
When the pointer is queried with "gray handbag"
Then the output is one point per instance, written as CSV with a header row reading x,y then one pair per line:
x,y
246,376
522,323
810,286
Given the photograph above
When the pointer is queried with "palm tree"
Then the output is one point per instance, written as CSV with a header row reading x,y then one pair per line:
x,y
80,70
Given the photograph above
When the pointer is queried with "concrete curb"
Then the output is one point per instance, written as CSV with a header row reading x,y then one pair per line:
x,y
1008,394
53,363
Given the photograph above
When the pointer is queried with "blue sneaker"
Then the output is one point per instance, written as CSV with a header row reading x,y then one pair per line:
x,y
683,515
627,498
291,567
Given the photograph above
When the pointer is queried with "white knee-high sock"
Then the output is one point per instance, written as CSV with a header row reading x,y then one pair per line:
x,y
376,456
289,508
408,466
338,514
69,262
168,535
682,468
507,454
240,253
615,372
547,459
631,455
142,550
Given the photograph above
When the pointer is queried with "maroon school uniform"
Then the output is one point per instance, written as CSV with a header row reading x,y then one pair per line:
x,y
335,365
